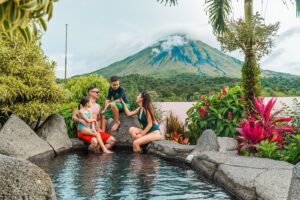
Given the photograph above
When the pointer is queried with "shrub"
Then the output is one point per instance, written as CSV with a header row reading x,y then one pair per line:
x,y
218,111
78,87
173,124
27,81
262,125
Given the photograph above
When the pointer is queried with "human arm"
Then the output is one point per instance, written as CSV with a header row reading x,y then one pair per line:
x,y
85,118
76,119
127,111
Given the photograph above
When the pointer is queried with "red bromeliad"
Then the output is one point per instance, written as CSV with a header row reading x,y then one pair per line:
x,y
262,125
203,113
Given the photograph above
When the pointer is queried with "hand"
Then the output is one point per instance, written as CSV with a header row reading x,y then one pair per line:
x,y
82,121
122,101
118,100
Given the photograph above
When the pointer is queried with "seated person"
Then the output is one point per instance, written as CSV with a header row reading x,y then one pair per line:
x,y
112,108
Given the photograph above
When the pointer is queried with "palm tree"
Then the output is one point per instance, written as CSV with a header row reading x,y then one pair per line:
x,y
23,16
218,11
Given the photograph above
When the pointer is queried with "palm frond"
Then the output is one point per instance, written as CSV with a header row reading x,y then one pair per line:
x,y
218,11
170,2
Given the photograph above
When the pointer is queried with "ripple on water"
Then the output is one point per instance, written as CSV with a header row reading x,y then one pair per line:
x,y
124,175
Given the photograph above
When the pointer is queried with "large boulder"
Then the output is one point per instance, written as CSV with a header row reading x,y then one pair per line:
x,y
294,190
20,179
170,150
208,141
227,144
54,131
17,139
122,134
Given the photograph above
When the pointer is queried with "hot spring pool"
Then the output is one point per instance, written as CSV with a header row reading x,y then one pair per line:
x,y
124,175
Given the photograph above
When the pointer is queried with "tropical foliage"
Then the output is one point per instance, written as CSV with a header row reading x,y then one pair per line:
x,y
263,125
27,81
67,111
24,16
218,111
249,34
78,87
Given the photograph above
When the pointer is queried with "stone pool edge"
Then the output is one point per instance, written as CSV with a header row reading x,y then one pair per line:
x,y
242,177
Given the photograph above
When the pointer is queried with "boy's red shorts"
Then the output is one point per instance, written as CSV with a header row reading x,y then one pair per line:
x,y
88,138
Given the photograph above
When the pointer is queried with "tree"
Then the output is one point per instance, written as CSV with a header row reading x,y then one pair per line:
x,y
23,16
256,37
27,81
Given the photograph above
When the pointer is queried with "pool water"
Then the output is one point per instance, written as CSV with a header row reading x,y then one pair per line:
x,y
124,175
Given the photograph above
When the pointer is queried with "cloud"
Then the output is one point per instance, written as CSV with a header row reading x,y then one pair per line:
x,y
174,40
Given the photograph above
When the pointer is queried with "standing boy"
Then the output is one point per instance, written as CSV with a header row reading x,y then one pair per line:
x,y
112,108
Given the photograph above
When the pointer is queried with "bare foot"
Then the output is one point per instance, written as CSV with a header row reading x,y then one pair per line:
x,y
115,127
107,151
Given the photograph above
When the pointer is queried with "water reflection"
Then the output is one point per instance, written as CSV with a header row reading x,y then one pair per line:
x,y
124,175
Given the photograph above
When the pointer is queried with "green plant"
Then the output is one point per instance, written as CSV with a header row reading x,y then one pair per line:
x,y
218,111
267,150
78,87
262,125
67,111
27,81
291,151
173,125
23,15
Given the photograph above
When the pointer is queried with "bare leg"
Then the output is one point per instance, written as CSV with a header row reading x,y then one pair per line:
x,y
115,111
155,135
103,122
94,145
134,132
110,142
87,131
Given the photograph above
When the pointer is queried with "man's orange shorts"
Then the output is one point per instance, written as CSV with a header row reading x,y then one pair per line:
x,y
88,138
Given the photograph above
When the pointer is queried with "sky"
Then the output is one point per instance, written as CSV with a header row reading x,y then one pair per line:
x,y
101,32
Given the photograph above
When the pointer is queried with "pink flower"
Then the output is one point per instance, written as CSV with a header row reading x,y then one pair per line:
x,y
229,116
224,90
211,94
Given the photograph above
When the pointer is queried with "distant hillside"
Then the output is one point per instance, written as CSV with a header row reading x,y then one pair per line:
x,y
178,55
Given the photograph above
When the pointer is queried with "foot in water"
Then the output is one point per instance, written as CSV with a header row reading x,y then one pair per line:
x,y
115,127
107,151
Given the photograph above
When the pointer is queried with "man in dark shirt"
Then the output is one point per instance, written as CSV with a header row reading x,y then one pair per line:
x,y
113,108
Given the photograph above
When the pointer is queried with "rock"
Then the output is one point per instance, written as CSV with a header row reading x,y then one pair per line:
x,y
238,180
208,141
19,140
204,167
243,161
294,191
122,134
227,144
20,179
54,131
78,144
274,184
170,150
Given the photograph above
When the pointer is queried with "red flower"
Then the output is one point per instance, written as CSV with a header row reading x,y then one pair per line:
x,y
229,116
220,96
207,105
211,94
203,113
242,100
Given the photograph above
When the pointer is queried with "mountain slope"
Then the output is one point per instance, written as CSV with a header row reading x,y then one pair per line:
x,y
178,55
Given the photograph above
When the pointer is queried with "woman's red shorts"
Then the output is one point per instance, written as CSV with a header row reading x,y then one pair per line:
x,y
88,138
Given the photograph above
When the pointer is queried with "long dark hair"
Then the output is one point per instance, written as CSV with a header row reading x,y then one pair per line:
x,y
147,105
83,102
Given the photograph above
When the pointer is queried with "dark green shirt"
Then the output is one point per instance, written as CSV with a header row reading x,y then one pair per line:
x,y
117,94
